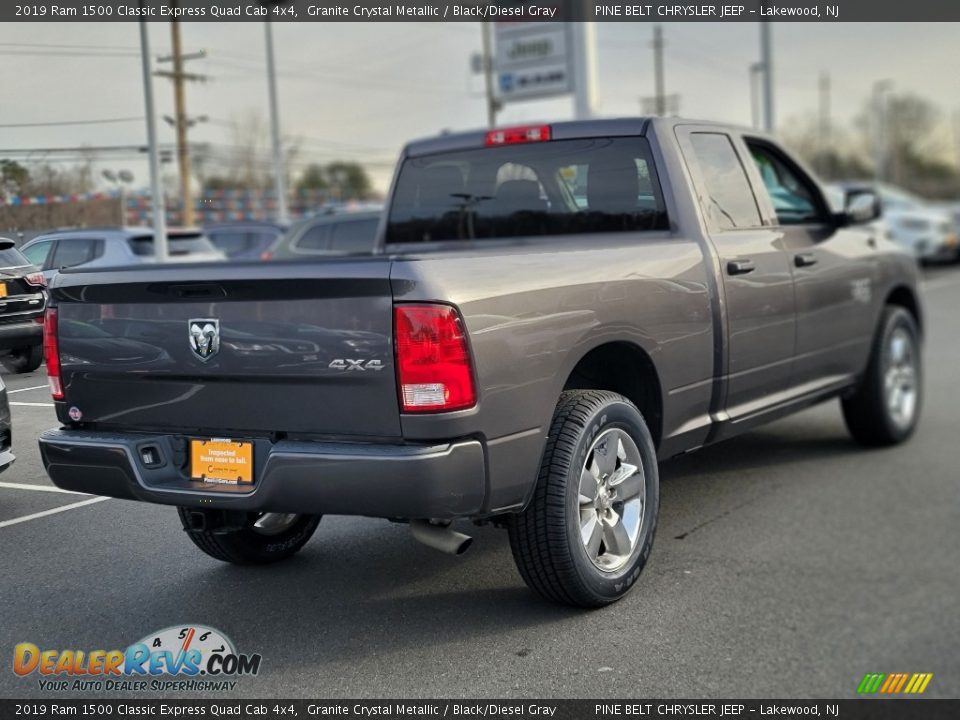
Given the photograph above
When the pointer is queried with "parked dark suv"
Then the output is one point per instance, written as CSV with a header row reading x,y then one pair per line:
x,y
23,297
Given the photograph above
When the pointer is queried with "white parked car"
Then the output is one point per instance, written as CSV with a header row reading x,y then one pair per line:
x,y
928,231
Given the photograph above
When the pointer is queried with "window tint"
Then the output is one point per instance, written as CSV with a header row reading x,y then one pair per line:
x,y
317,237
73,251
560,187
728,201
37,254
11,257
353,235
792,195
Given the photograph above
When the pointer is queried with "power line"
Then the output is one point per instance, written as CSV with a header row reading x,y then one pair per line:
x,y
63,123
61,46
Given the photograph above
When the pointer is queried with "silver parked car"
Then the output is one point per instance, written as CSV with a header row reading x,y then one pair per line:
x,y
114,247
912,222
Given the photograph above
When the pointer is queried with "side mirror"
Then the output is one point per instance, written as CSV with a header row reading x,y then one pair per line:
x,y
862,206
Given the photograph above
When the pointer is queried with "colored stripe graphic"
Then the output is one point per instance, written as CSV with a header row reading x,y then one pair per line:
x,y
894,683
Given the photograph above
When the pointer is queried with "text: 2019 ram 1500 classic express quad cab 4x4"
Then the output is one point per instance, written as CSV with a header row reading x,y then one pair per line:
x,y
549,310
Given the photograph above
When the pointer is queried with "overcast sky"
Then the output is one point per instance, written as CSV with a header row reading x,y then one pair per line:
x,y
358,91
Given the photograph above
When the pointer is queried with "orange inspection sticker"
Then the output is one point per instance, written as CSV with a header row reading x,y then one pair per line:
x,y
223,461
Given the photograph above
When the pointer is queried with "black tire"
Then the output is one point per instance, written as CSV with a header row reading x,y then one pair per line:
x,y
867,412
25,359
546,537
249,546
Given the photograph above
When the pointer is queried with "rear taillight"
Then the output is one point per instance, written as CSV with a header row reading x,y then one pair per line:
x,y
35,279
51,353
523,134
433,361
266,255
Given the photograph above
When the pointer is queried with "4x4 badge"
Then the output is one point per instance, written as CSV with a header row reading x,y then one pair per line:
x,y
204,337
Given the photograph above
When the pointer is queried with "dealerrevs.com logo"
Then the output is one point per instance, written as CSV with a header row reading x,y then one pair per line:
x,y
177,658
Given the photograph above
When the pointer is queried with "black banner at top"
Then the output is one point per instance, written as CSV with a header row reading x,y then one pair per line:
x,y
496,11
120,709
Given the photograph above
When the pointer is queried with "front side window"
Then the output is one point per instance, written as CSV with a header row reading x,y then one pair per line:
x,y
594,185
70,253
726,196
791,194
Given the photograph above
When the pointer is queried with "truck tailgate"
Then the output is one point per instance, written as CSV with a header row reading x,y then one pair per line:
x,y
261,349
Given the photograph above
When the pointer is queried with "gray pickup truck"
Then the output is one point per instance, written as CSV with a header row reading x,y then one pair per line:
x,y
549,311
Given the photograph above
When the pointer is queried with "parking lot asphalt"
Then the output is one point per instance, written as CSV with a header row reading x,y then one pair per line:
x,y
788,563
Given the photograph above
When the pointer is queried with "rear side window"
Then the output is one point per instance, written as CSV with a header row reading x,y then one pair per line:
x,y
192,244
561,187
232,242
73,252
726,196
314,238
353,235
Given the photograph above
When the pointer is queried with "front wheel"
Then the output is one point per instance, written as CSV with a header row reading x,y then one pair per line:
x,y
885,408
259,539
587,532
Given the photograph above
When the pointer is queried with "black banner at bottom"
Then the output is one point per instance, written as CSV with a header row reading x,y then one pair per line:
x,y
876,709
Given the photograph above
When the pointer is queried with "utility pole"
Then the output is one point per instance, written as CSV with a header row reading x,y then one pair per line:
x,y
766,58
279,171
181,122
660,95
492,104
159,209
756,70
825,139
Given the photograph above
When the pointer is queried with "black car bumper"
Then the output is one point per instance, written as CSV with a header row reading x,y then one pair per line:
x,y
20,334
443,481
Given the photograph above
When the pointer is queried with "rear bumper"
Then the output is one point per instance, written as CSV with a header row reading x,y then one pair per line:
x,y
442,481
20,334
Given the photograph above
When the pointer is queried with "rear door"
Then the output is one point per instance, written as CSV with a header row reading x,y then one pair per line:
x,y
756,279
230,350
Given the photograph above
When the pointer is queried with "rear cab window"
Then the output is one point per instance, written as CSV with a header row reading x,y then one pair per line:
x,y
558,187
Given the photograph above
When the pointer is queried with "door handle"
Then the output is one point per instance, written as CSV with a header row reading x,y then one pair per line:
x,y
804,260
740,267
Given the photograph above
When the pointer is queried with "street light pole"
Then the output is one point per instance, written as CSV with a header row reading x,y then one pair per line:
x,y
279,179
159,208
880,89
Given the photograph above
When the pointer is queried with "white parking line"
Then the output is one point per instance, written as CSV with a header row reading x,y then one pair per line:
x,y
38,488
35,387
26,404
64,508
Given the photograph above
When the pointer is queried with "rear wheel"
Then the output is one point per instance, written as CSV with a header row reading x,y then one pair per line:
x,y
886,407
587,532
25,359
250,538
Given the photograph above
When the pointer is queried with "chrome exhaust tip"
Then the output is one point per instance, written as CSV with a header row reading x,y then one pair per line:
x,y
440,537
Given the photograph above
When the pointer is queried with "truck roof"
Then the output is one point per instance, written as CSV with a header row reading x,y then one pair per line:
x,y
564,130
